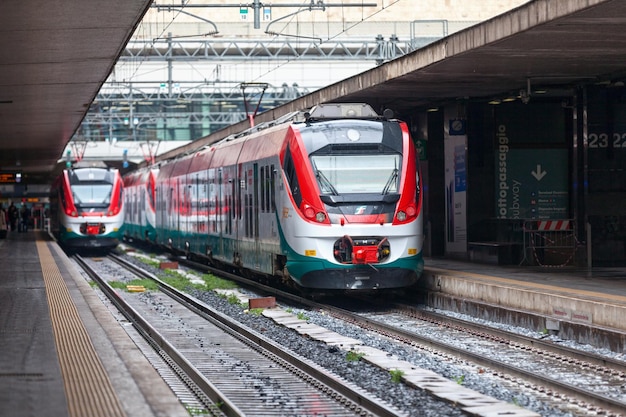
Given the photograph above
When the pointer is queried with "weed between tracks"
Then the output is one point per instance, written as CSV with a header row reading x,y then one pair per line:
x,y
148,284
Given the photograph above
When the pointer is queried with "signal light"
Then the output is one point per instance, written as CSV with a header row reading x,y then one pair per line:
x,y
407,213
311,214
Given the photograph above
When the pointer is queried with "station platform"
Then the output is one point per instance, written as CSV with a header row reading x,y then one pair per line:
x,y
63,353
586,305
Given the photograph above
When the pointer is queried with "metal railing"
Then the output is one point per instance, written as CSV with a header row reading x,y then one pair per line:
x,y
550,243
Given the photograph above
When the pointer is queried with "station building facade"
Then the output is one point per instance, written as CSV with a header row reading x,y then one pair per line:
x,y
534,180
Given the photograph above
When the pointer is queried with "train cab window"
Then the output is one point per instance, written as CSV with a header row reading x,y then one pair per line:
x,y
61,195
149,187
357,174
92,195
292,178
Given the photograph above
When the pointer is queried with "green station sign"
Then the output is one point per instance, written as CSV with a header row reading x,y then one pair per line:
x,y
531,183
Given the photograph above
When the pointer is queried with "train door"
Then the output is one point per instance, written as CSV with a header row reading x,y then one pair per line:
x,y
228,231
248,240
189,205
267,239
219,210
141,209
171,204
130,210
161,194
196,213
255,216
201,212
179,205
232,231
182,212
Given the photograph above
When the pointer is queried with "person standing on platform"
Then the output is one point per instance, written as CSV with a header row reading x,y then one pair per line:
x,y
24,218
4,222
13,215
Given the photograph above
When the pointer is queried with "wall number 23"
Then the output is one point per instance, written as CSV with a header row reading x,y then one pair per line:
x,y
601,140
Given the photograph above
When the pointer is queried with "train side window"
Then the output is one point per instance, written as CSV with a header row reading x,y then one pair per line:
x,y
255,199
268,187
272,190
230,218
233,193
246,217
240,186
262,186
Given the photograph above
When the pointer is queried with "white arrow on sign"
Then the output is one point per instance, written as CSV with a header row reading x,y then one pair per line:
x,y
538,173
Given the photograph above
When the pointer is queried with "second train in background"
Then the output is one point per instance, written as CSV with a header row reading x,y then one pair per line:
x,y
87,207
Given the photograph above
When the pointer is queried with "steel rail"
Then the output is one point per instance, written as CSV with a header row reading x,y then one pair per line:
x,y
160,343
558,387
370,406
513,338
409,337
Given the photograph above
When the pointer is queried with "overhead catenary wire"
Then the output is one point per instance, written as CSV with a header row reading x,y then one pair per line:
x,y
180,9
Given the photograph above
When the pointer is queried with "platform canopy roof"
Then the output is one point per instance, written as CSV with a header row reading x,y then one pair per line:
x,y
57,54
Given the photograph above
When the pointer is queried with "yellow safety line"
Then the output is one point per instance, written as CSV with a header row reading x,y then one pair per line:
x,y
87,386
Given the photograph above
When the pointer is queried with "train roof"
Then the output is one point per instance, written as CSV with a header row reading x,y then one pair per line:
x,y
318,113
91,174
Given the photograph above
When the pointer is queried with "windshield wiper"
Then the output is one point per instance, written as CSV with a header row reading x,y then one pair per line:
x,y
324,182
392,178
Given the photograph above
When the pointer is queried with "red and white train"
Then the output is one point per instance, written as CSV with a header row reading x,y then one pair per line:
x,y
328,199
87,207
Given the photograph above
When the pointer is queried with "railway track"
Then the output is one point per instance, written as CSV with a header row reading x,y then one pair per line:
x,y
581,382
233,370
587,382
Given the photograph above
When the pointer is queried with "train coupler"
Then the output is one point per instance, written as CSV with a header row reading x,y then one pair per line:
x,y
92,228
362,251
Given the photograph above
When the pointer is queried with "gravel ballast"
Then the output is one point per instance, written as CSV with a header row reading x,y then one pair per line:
x,y
375,381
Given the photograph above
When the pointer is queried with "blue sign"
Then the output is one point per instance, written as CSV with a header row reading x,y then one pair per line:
x,y
457,127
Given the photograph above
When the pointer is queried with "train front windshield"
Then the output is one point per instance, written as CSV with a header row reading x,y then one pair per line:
x,y
355,156
87,196
357,174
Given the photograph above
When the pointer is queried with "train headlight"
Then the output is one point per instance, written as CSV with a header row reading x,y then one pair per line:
x,y
411,211
320,217
401,216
